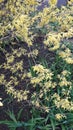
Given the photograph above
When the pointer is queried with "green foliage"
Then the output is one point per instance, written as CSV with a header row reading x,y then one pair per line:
x,y
14,122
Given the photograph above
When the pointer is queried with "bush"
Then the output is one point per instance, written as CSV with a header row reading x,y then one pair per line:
x,y
47,86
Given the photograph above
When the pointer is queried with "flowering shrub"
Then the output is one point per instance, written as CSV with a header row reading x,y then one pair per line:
x,y
52,85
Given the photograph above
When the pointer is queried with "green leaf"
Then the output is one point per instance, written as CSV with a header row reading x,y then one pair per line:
x,y
52,124
11,115
19,114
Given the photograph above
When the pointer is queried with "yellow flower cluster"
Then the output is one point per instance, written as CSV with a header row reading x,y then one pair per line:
x,y
43,74
21,24
64,104
59,116
53,41
53,2
33,53
17,19
42,80
24,6
57,22
18,52
63,79
66,55
20,95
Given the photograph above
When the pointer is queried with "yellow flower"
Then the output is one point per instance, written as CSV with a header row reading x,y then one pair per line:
x,y
54,48
37,103
48,85
55,95
36,80
52,2
10,59
46,109
69,60
65,104
64,82
33,53
65,72
60,116
38,68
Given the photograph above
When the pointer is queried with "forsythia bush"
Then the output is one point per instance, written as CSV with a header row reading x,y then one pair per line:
x,y
52,86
